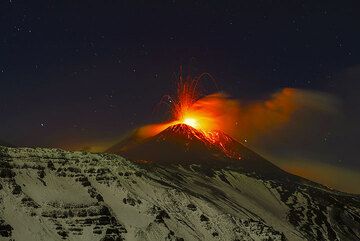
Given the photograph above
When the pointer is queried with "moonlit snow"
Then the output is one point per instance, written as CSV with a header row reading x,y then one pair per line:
x,y
50,194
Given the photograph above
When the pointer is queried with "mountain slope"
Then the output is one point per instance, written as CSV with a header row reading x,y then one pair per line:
x,y
48,194
183,144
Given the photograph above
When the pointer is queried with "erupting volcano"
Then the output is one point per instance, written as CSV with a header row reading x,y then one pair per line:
x,y
195,135
204,113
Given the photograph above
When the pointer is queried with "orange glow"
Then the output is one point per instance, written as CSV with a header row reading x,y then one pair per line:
x,y
187,107
244,121
191,122
212,112
198,119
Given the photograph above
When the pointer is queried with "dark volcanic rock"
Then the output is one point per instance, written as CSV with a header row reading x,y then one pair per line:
x,y
5,229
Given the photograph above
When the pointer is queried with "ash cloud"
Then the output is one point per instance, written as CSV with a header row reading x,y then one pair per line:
x,y
291,119
320,137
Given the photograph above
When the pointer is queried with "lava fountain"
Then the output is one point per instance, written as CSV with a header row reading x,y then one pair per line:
x,y
188,108
205,114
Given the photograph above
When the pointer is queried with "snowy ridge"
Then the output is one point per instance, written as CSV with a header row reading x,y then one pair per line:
x,y
50,194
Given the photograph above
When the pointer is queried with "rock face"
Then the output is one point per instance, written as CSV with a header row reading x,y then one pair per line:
x,y
50,194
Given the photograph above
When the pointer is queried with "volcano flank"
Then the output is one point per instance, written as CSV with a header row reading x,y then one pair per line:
x,y
183,144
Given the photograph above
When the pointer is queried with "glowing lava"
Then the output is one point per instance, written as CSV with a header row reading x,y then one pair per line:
x,y
187,108
191,122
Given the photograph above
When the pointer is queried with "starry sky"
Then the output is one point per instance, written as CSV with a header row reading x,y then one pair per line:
x,y
75,73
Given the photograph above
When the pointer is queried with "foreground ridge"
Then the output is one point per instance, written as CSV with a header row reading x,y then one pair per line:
x,y
50,194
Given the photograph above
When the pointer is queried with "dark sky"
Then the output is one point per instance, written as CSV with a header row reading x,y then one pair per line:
x,y
72,72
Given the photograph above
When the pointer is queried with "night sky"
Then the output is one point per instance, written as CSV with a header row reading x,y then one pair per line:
x,y
75,74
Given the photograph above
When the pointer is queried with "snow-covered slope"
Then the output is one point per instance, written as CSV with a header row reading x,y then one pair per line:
x,y
50,194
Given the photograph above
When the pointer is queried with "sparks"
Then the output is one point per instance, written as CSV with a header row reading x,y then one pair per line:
x,y
184,105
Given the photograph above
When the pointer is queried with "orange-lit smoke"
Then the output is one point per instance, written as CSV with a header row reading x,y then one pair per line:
x,y
241,120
